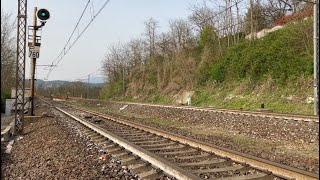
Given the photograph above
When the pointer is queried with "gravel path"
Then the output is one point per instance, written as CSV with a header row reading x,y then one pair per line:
x,y
54,148
288,142
5,121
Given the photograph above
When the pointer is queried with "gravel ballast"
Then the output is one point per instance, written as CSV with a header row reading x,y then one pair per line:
x,y
294,143
53,147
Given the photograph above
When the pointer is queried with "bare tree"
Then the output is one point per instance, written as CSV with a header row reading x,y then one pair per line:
x,y
150,32
180,34
7,52
202,15
136,52
274,9
115,60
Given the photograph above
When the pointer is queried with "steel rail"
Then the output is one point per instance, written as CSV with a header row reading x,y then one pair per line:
x,y
299,117
256,162
165,166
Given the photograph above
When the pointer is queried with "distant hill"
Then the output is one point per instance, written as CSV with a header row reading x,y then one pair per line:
x,y
57,83
97,80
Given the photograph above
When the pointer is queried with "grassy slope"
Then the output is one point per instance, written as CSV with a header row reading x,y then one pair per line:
x,y
276,70
281,99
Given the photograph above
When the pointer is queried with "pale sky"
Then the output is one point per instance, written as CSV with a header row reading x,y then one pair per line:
x,y
120,21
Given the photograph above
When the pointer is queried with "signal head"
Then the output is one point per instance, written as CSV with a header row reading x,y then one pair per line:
x,y
43,14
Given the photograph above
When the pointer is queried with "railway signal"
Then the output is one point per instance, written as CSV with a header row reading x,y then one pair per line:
x,y
43,14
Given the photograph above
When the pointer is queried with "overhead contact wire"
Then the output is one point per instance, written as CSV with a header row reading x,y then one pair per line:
x,y
92,19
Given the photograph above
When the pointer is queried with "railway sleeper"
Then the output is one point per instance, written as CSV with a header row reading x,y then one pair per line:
x,y
139,138
125,129
90,133
116,150
144,138
99,139
86,131
203,163
151,142
152,176
255,176
130,161
158,145
169,148
94,136
121,156
134,133
102,141
148,175
213,166
239,168
114,129
140,168
189,151
197,157
110,145
136,167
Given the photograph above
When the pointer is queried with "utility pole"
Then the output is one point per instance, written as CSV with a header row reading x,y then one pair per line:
x,y
123,82
229,20
34,47
33,61
251,20
20,66
88,86
316,54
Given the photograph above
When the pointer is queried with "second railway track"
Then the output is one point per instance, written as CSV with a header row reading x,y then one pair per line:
x,y
180,157
295,117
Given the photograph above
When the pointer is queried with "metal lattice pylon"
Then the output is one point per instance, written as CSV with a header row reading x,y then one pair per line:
x,y
20,66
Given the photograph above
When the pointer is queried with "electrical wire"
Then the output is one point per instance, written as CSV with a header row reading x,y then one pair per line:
x,y
83,77
64,51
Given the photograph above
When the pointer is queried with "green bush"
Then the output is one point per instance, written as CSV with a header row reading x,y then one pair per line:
x,y
281,55
217,72
112,90
207,37
4,95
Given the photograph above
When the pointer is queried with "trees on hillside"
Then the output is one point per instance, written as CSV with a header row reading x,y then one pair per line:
x,y
70,89
201,16
255,21
167,61
7,52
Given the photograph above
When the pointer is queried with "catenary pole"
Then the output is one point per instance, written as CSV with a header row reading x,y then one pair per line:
x,y
123,81
316,55
20,66
88,86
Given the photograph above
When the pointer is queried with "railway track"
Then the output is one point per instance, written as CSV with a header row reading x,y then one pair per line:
x,y
295,117
177,156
